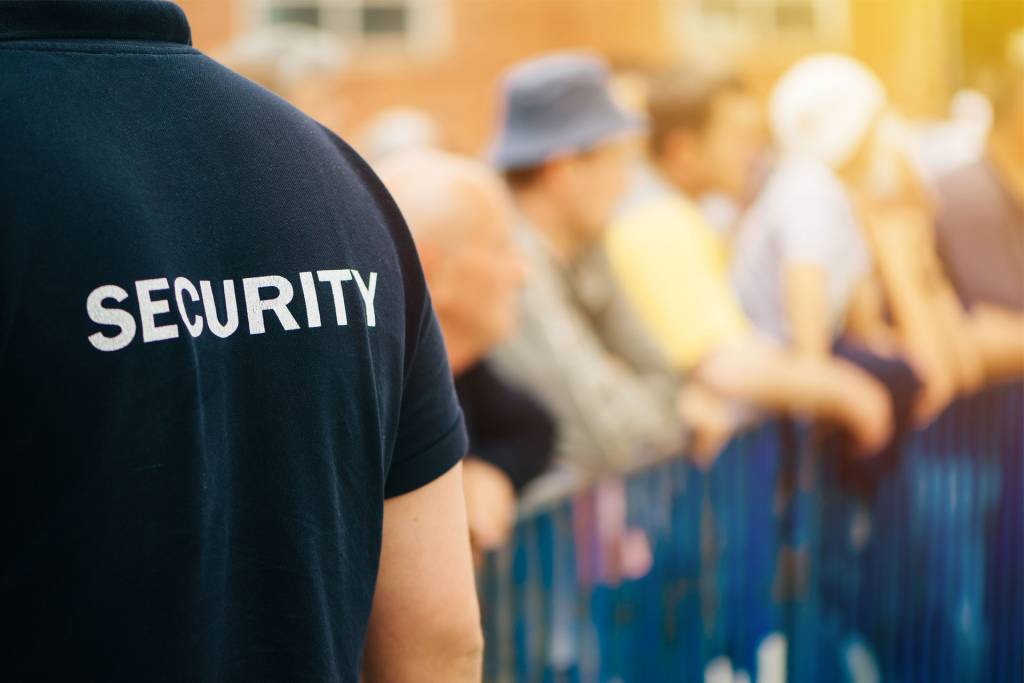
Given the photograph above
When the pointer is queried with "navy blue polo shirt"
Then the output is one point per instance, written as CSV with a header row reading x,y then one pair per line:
x,y
217,359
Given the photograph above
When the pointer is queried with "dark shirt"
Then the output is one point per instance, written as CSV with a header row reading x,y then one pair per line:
x,y
217,359
980,232
506,427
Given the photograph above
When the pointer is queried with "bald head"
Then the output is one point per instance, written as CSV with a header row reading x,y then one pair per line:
x,y
445,198
461,220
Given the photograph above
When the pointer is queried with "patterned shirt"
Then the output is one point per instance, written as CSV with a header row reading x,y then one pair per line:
x,y
581,350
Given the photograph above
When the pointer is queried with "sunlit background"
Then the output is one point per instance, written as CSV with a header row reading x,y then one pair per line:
x,y
444,56
772,565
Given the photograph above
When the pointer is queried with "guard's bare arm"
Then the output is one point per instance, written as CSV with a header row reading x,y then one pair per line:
x,y
425,623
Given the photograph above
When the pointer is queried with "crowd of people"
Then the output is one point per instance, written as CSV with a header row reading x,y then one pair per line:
x,y
617,284
241,363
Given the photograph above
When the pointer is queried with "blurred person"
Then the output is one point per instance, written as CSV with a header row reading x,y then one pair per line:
x,y
955,352
297,62
673,266
980,224
233,443
803,265
712,126
938,148
564,147
397,129
461,218
913,311
980,230
800,258
840,235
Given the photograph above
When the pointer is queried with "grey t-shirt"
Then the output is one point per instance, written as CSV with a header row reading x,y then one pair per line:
x,y
802,217
980,233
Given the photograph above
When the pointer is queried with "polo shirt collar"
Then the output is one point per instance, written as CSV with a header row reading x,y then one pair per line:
x,y
146,20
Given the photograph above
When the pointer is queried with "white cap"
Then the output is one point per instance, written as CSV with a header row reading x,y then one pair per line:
x,y
823,107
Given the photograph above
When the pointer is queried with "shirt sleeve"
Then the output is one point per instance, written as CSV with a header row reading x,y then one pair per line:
x,y
431,436
507,428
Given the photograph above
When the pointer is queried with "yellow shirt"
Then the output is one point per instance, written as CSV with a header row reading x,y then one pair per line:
x,y
673,268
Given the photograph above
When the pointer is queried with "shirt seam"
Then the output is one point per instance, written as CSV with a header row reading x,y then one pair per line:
x,y
440,440
412,472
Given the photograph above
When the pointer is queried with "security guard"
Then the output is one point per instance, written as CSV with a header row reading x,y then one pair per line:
x,y
226,414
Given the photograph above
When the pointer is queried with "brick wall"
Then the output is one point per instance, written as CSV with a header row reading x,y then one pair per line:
x,y
917,46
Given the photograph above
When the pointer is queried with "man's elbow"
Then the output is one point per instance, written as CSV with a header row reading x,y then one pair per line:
x,y
465,655
455,655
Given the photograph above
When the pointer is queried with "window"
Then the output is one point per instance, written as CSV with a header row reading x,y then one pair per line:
x,y
747,21
397,25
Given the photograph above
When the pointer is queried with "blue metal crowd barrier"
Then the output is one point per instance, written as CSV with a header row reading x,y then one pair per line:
x,y
773,566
